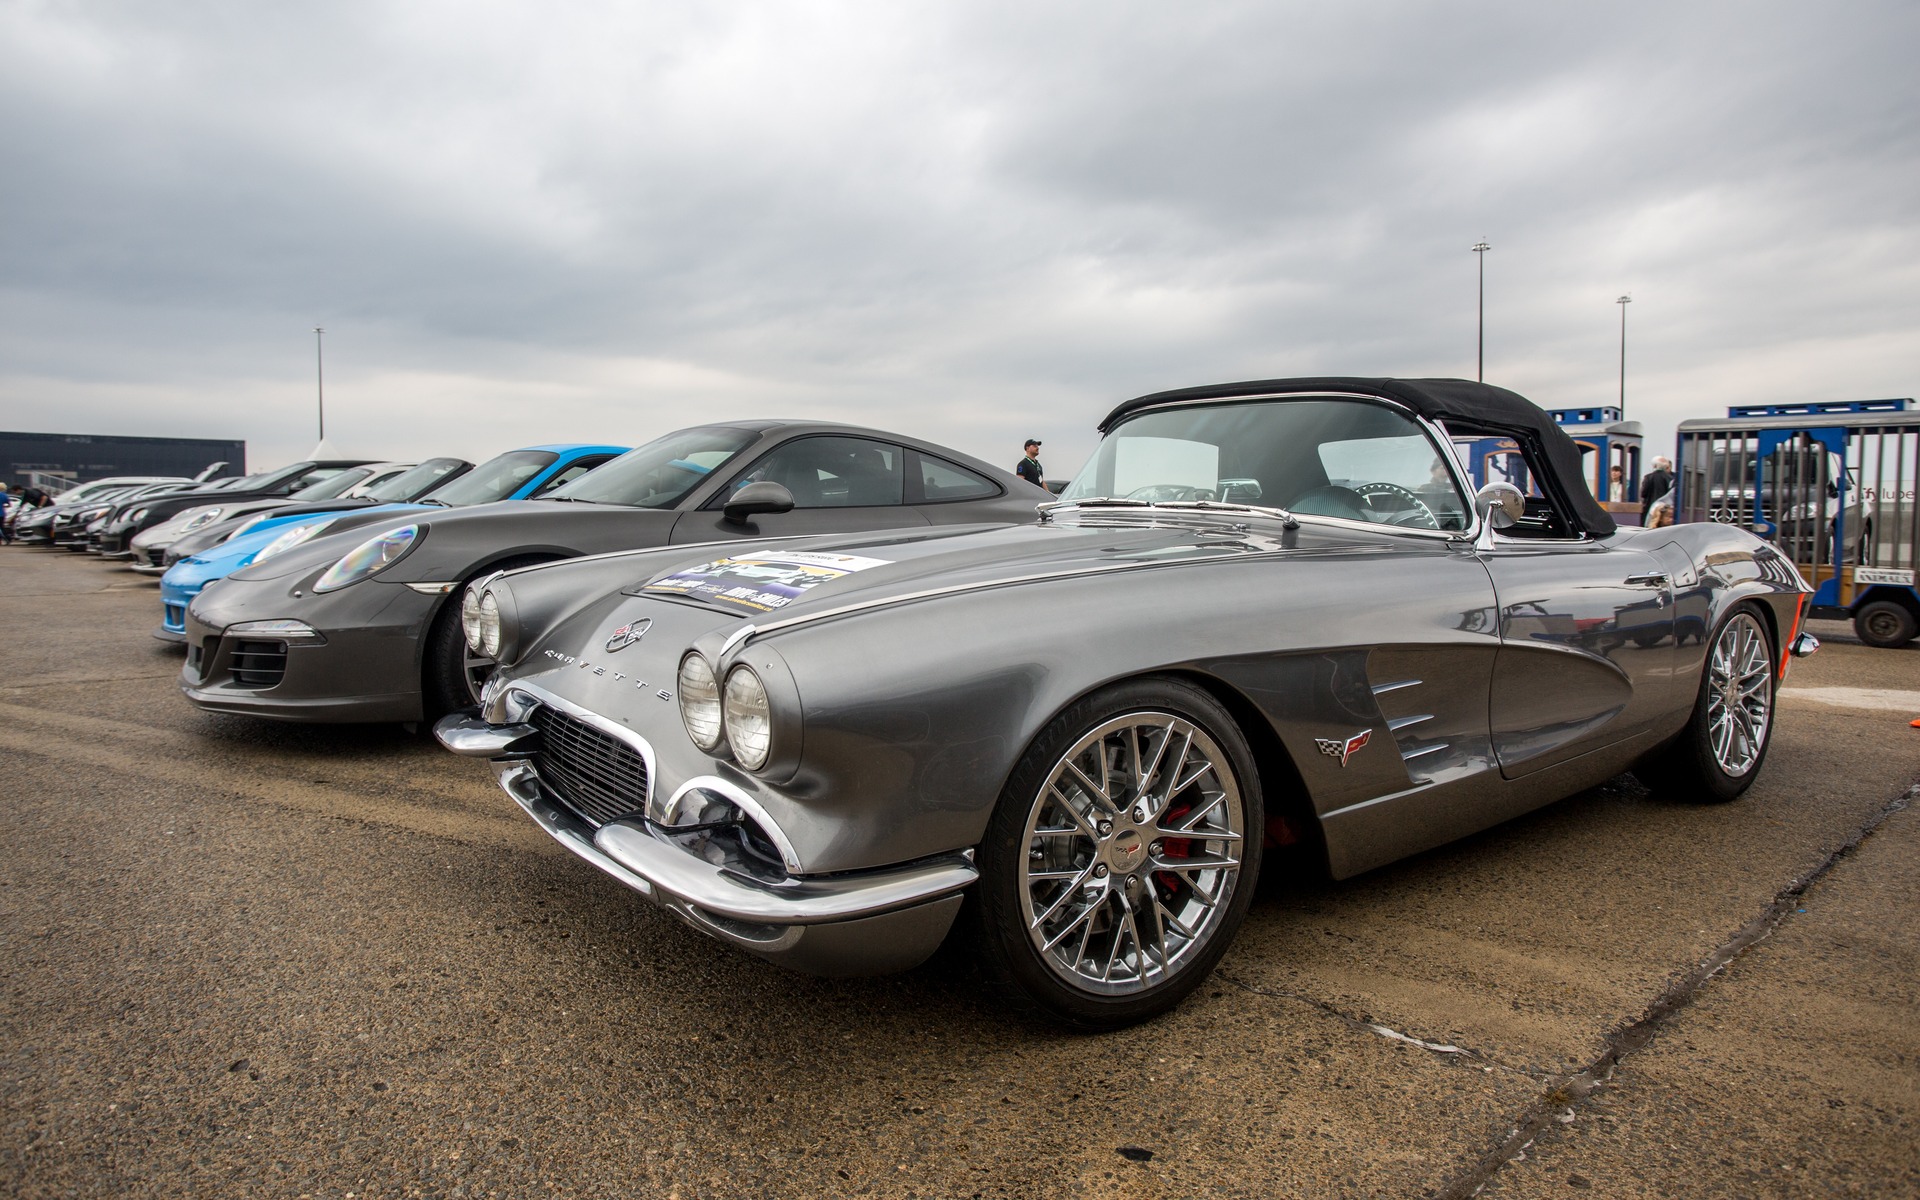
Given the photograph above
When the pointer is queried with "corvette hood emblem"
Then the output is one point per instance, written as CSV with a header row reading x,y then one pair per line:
x,y
1343,750
628,634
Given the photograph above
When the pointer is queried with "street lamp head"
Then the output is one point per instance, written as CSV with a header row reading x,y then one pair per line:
x,y
1480,247
1624,300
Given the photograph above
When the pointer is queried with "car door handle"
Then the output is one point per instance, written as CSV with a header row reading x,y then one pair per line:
x,y
1650,579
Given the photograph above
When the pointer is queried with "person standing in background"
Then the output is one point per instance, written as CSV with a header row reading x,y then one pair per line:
x,y
1028,468
1658,483
1616,484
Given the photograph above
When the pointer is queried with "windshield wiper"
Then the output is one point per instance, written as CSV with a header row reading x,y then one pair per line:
x,y
568,499
1230,506
1286,518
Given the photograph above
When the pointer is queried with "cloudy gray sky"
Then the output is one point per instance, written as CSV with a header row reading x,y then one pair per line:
x,y
972,220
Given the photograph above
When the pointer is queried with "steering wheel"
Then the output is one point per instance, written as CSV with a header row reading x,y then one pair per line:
x,y
1412,512
1331,500
1156,493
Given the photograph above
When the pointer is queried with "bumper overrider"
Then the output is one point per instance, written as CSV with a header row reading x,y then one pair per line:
x,y
847,923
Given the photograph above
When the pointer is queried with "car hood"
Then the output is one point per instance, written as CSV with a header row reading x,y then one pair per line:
x,y
778,580
458,538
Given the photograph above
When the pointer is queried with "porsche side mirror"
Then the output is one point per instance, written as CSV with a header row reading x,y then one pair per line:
x,y
756,498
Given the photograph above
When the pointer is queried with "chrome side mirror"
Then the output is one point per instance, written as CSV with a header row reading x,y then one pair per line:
x,y
1498,506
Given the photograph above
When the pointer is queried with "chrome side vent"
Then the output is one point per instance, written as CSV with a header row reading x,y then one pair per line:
x,y
1410,744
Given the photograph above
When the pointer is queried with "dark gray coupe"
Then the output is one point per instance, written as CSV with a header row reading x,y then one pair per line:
x,y
1264,613
365,625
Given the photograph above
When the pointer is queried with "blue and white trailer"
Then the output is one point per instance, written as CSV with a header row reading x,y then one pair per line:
x,y
1831,483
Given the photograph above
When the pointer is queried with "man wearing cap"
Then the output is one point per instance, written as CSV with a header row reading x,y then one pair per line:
x,y
1028,468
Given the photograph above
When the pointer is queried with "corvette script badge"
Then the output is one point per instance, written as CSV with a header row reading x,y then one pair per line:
x,y
1335,748
627,635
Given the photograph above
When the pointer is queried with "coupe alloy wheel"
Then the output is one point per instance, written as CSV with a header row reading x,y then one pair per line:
x,y
1133,851
1739,695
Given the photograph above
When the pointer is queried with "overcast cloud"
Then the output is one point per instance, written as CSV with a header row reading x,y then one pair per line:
x,y
974,221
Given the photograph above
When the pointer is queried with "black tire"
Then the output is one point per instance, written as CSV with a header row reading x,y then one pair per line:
x,y
1105,882
451,677
1885,623
1720,752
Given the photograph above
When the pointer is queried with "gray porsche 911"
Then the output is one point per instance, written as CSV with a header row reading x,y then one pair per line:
x,y
365,625
1264,613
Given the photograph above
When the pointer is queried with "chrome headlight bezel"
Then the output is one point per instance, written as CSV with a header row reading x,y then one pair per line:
x,y
139,514
205,516
489,625
370,558
701,710
747,713
470,615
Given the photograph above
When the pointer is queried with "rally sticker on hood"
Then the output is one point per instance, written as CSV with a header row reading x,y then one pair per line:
x,y
761,582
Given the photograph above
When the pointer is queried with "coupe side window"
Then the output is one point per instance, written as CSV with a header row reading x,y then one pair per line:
x,y
832,472
571,473
942,482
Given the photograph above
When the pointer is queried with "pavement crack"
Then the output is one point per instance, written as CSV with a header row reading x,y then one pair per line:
x,y
1565,1094
1368,1025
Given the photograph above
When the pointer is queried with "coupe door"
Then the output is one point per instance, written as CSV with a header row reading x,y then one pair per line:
x,y
1586,649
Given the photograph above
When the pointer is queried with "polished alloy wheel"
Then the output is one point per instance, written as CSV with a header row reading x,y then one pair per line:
x,y
1739,695
1133,849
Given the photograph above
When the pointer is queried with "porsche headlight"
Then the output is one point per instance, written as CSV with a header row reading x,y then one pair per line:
x,y
250,524
749,718
137,515
470,617
369,558
290,538
700,702
490,626
205,516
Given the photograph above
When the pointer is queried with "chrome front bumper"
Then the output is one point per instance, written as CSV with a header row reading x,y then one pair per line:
x,y
859,923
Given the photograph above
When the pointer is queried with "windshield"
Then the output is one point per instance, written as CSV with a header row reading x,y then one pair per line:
x,y
1330,457
328,485
410,483
495,479
660,473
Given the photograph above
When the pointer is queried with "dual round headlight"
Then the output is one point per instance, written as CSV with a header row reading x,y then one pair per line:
x,y
480,621
737,715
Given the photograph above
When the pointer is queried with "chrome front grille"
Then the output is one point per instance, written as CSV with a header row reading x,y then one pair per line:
x,y
598,776
259,664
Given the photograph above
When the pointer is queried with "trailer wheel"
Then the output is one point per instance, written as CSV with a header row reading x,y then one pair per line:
x,y
1886,623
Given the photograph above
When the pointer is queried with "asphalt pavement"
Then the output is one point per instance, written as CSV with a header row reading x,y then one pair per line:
x,y
247,959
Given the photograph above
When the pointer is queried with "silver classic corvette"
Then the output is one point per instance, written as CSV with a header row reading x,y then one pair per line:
x,y
1264,614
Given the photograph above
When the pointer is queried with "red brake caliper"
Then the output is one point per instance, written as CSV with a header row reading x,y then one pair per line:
x,y
1173,848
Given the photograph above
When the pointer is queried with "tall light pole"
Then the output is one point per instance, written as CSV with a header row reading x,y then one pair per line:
x,y
1623,302
320,378
1480,249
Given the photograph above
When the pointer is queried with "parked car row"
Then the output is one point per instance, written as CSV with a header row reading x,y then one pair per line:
x,y
834,695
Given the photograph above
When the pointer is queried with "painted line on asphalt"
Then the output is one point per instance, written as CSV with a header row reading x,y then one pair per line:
x,y
105,744
1866,699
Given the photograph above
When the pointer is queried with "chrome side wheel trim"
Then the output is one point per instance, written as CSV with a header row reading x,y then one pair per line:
x,y
1132,851
1739,695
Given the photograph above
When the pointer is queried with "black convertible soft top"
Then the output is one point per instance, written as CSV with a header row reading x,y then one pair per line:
x,y
1465,407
